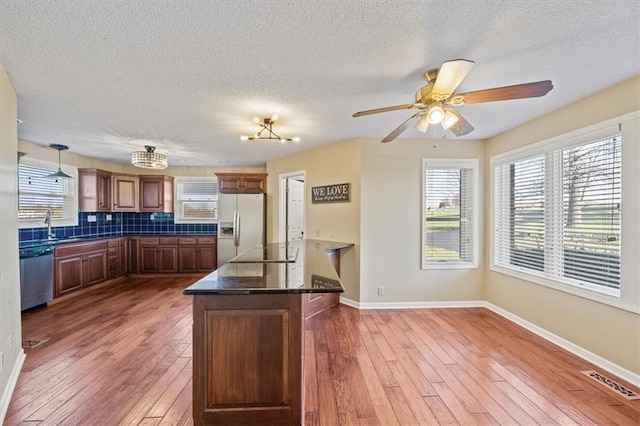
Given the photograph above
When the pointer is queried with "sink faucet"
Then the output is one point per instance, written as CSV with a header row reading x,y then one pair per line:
x,y
47,220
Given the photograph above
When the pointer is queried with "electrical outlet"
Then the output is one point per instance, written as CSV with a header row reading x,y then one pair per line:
x,y
380,291
317,232
108,218
152,217
91,218
332,233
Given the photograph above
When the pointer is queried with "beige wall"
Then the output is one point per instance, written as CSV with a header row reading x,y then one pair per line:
x,y
42,152
602,329
391,224
10,327
332,164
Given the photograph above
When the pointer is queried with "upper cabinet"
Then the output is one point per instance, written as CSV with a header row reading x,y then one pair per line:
x,y
124,190
94,190
242,183
156,194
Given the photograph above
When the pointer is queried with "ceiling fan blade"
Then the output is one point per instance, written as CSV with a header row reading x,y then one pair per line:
x,y
450,76
385,109
518,91
401,128
461,127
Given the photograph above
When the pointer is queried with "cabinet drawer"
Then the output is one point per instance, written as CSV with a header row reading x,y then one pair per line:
x,y
149,241
79,248
206,240
173,240
188,240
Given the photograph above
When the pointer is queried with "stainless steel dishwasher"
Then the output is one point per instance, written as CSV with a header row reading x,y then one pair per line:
x,y
36,276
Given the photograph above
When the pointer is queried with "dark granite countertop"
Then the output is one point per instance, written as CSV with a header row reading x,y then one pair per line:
x,y
310,272
65,240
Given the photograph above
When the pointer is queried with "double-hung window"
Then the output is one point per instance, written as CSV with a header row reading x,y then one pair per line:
x,y
38,194
556,213
450,213
196,199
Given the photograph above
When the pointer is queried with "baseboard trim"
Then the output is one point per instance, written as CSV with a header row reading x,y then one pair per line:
x,y
11,385
579,351
413,305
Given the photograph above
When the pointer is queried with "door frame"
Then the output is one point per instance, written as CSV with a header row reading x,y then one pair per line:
x,y
282,203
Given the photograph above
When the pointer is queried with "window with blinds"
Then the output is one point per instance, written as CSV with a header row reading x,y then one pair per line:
x,y
37,194
196,200
557,214
449,209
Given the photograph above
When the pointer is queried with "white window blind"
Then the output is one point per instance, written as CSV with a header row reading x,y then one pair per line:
x,y
449,211
557,215
196,200
37,194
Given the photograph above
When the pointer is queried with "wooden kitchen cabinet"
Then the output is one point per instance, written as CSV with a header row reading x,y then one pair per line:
x,y
118,264
158,254
156,194
242,183
197,254
94,190
79,265
124,191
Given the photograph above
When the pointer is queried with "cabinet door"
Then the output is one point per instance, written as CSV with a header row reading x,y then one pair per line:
x,y
125,193
95,267
207,258
168,259
104,191
229,184
253,184
149,259
68,274
123,256
188,259
151,193
94,190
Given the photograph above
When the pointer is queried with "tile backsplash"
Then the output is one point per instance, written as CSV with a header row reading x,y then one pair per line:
x,y
121,224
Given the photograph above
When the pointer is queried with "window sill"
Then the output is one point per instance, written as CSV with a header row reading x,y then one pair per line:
x,y
448,265
606,299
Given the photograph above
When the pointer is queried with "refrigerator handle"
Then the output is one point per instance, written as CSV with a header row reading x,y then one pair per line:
x,y
236,229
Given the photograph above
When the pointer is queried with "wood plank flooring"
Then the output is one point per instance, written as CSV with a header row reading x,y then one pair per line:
x,y
122,355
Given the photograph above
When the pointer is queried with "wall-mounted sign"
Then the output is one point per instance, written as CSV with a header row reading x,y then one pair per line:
x,y
339,193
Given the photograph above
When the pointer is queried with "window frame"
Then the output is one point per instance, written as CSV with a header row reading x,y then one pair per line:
x,y
628,298
177,217
451,163
71,217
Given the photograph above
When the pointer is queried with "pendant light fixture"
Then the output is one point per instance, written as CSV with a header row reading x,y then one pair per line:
x,y
59,174
149,159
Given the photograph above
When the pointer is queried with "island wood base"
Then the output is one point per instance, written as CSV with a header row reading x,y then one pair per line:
x,y
248,359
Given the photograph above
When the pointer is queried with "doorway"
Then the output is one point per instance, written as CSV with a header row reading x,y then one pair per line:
x,y
292,206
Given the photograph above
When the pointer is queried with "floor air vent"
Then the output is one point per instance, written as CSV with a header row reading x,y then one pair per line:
x,y
30,344
616,387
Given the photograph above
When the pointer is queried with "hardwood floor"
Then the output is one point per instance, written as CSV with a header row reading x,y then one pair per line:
x,y
122,355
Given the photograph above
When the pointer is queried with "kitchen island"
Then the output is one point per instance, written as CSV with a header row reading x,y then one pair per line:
x,y
248,332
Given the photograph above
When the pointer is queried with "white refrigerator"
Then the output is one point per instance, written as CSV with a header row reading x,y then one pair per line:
x,y
241,224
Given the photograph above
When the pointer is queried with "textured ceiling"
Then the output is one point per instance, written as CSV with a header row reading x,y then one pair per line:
x,y
191,75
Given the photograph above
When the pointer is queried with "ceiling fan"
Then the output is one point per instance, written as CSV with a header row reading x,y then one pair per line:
x,y
436,101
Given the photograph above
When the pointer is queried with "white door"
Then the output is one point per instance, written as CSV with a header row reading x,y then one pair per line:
x,y
295,209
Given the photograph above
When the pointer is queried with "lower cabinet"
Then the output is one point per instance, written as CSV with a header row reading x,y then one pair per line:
x,y
79,265
176,254
197,254
158,254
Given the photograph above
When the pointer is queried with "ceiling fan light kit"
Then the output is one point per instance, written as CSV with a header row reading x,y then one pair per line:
x,y
266,131
149,159
435,100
